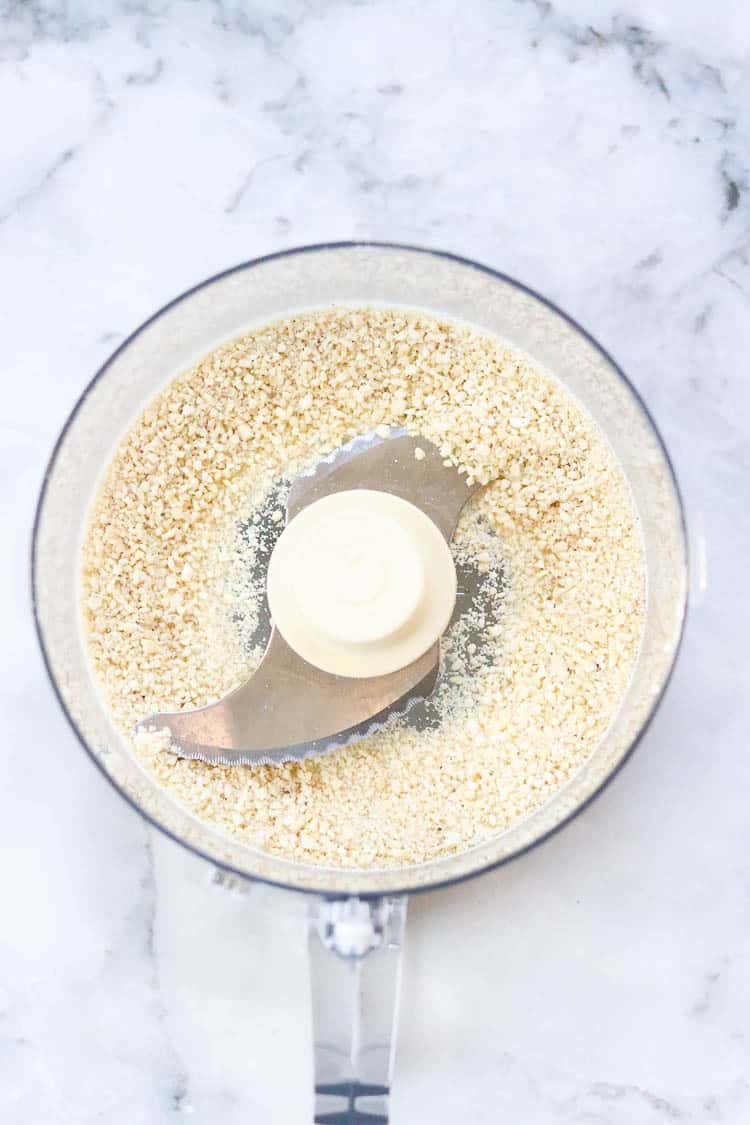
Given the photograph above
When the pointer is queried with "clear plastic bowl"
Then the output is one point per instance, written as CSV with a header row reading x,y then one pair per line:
x,y
277,286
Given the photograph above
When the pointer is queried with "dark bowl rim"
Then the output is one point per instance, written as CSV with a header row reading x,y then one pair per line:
x,y
250,264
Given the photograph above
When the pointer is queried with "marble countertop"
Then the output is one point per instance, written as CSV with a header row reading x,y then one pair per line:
x,y
599,152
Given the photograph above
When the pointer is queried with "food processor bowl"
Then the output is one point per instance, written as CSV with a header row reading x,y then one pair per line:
x,y
359,913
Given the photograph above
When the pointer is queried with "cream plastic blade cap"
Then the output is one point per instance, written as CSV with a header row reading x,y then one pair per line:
x,y
361,583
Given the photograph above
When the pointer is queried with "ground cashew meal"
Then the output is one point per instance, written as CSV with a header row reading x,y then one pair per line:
x,y
193,498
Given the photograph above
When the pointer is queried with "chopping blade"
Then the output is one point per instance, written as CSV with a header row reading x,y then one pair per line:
x,y
290,710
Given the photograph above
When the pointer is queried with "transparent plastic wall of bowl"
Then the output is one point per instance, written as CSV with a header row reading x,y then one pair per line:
x,y
275,287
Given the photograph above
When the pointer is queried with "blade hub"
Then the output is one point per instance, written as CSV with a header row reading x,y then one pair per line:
x,y
361,583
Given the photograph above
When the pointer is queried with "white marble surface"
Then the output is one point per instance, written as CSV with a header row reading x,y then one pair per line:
x,y
600,152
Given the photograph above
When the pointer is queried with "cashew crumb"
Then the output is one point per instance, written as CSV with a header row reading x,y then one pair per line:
x,y
192,502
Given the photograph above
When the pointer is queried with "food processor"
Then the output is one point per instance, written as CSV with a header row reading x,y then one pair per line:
x,y
357,917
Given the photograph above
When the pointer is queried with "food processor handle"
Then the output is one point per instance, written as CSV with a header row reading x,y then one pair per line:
x,y
355,968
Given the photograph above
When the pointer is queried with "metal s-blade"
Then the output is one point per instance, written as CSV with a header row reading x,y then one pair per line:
x,y
289,710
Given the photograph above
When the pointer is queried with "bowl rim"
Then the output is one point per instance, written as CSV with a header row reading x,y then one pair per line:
x,y
358,244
